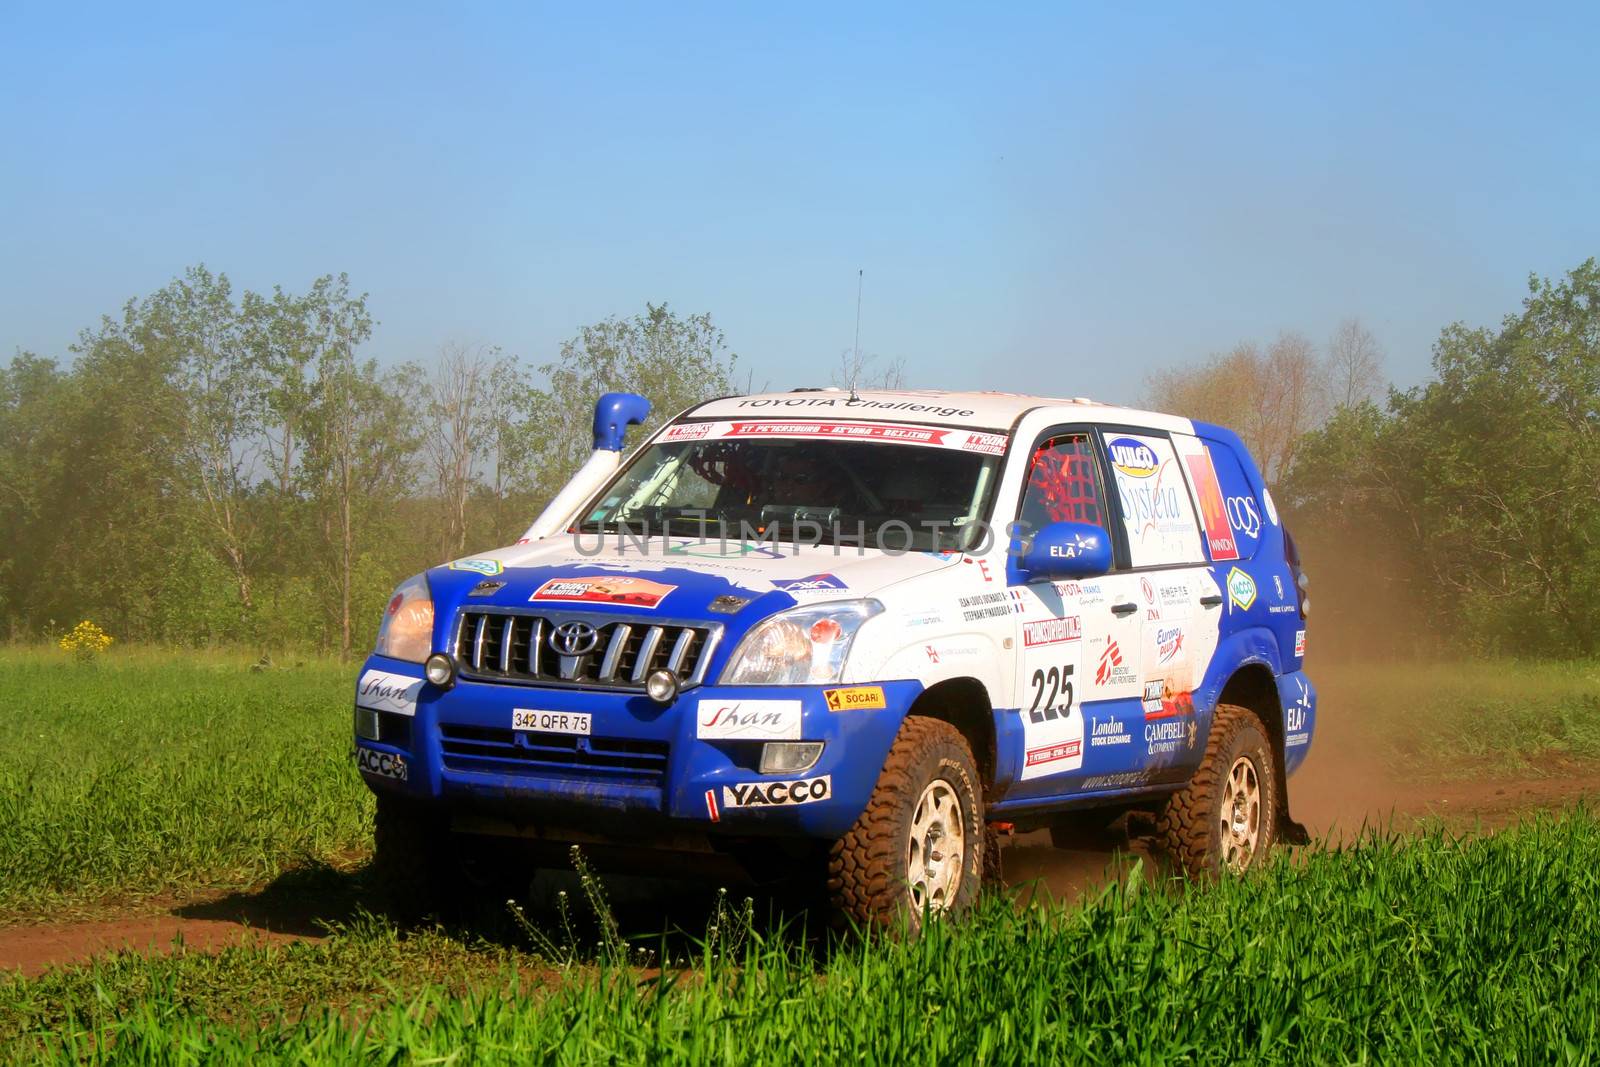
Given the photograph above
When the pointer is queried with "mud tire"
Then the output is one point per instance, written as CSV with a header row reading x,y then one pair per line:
x,y
413,859
1189,828
868,868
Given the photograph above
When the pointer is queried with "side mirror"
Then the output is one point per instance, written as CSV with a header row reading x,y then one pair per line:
x,y
1066,550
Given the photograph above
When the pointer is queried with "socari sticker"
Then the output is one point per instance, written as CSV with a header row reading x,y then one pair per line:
x,y
1133,458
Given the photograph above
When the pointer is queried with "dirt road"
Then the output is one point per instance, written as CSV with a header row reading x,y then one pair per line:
x,y
1338,791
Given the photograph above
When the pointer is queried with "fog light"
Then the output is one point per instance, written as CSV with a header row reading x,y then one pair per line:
x,y
789,757
662,686
367,724
440,669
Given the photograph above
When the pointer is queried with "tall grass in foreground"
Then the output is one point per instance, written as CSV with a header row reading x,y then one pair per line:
x,y
146,774
1436,949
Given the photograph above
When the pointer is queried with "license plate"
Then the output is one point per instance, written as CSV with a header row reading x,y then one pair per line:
x,y
550,722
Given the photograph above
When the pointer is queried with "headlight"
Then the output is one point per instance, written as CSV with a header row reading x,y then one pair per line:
x,y
407,630
801,646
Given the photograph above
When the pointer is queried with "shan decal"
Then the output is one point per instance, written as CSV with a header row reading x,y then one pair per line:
x,y
385,691
748,720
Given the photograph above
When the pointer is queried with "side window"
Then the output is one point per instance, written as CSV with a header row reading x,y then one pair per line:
x,y
1063,484
1158,514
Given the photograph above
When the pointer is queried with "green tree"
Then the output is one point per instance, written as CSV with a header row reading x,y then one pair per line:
x,y
672,361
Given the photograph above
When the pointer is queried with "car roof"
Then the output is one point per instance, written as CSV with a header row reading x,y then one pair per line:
x,y
978,410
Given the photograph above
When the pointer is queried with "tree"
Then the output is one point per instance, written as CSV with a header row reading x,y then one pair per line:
x,y
1270,397
456,434
852,372
218,419
673,361
1354,365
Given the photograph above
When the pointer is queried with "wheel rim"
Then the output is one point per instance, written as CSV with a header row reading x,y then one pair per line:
x,y
1241,815
936,848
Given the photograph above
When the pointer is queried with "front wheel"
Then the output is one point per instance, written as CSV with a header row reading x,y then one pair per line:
x,y
919,847
413,861
1226,818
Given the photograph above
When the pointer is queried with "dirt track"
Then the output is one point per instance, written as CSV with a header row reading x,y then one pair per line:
x,y
1334,795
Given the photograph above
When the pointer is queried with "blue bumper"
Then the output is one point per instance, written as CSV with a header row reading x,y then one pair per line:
x,y
641,764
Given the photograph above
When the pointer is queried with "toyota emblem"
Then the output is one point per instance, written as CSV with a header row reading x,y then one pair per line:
x,y
574,638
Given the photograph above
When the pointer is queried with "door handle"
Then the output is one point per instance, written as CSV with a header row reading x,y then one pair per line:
x,y
1213,601
1124,609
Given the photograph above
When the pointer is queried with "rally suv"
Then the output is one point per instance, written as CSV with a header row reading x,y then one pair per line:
x,y
847,635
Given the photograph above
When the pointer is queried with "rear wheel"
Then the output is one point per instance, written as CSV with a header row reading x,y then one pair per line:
x,y
919,847
1226,818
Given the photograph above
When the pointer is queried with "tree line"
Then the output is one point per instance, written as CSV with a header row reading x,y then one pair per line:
x,y
221,467
1460,515
214,467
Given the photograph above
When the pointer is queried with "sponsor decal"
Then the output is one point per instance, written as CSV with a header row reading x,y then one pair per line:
x,y
478,566
486,588
1280,609
1133,458
776,794
991,444
1277,585
1299,642
926,618
1161,738
1272,509
381,764
1175,599
1052,631
1213,510
994,605
551,722
1169,643
607,589
1051,753
1295,716
1241,589
1110,666
711,805
384,691
1243,516
1163,700
855,403
748,720
933,653
1115,781
1108,732
855,698
687,431
815,583
1148,590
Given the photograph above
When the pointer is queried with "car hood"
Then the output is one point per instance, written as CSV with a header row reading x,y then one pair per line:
x,y
674,578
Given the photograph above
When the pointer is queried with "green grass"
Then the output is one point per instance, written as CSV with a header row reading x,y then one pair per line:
x,y
1437,949
166,775
162,774
1467,718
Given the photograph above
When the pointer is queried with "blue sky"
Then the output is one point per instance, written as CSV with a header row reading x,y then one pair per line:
x,y
1050,199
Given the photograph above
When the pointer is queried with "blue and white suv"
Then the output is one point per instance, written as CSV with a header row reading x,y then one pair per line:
x,y
851,633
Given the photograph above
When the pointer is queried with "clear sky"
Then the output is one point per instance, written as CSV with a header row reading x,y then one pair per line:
x,y
1049,199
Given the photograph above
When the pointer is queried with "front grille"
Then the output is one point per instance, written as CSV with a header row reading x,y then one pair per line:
x,y
496,751
501,646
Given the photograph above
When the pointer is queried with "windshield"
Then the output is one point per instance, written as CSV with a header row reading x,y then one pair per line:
x,y
923,496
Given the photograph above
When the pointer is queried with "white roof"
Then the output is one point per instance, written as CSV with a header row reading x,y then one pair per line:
x,y
989,411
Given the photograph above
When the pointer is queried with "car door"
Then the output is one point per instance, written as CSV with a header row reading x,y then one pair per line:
x,y
1077,642
1158,515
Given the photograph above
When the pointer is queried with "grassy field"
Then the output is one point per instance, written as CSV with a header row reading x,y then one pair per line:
x,y
1434,950
151,776
158,775
1466,718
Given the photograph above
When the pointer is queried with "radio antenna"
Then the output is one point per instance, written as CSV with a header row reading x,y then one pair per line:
x,y
855,365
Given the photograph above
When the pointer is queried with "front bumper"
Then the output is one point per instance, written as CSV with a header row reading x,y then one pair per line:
x,y
641,770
